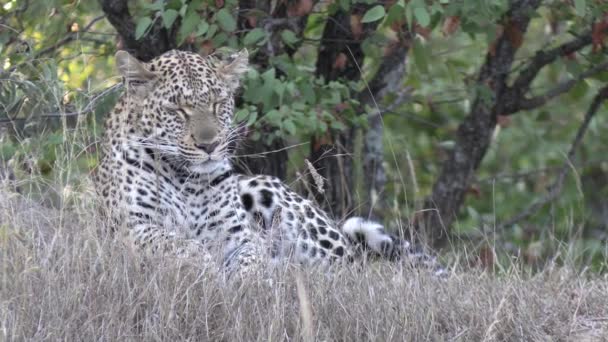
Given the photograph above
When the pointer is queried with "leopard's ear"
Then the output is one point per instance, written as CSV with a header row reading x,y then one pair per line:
x,y
134,71
233,67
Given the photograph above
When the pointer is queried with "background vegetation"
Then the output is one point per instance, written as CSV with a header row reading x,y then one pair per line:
x,y
454,119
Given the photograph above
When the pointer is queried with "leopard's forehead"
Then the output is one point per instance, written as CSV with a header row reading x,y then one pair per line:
x,y
187,76
176,64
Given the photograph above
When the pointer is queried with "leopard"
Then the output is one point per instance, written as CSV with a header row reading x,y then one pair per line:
x,y
166,180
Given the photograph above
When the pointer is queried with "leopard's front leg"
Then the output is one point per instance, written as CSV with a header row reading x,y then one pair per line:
x,y
153,239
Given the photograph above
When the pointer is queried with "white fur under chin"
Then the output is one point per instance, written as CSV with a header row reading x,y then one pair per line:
x,y
373,232
210,167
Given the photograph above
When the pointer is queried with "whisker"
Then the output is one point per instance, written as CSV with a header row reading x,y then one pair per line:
x,y
260,154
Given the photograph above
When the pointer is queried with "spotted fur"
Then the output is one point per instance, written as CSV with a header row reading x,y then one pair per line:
x,y
166,180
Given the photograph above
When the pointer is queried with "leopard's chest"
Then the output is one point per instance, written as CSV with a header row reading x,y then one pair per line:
x,y
211,211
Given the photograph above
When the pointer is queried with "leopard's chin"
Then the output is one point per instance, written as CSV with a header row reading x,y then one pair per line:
x,y
209,167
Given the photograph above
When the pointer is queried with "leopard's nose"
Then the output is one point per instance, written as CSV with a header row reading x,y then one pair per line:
x,y
208,148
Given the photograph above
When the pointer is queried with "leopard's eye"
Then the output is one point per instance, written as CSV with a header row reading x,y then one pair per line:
x,y
182,113
177,111
216,107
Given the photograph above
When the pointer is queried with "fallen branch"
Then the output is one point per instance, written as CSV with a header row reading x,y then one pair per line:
x,y
556,187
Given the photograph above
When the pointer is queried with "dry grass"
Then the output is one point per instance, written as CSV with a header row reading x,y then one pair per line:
x,y
62,280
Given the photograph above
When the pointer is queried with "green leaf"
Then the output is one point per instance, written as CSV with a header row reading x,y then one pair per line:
x,y
395,13
219,39
422,16
289,37
337,125
188,25
279,89
183,9
269,75
156,6
322,126
289,126
421,56
254,36
225,20
579,90
345,5
374,14
241,114
202,28
580,7
252,117
409,16
211,31
169,17
142,26
308,93
273,116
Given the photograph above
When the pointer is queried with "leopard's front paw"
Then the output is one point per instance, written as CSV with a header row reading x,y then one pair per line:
x,y
193,249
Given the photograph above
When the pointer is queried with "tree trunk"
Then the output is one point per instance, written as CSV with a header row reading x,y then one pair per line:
x,y
331,155
153,44
475,132
388,79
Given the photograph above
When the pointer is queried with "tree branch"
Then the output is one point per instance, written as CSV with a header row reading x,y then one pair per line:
x,y
69,37
543,58
530,174
556,188
514,98
537,101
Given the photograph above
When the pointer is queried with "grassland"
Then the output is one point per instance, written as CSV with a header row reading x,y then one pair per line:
x,y
63,278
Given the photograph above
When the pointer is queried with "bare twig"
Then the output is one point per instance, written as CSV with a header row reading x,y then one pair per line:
x,y
556,187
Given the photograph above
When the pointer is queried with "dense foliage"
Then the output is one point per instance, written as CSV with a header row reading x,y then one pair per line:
x,y
311,84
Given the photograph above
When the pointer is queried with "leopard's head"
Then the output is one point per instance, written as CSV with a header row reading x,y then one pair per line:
x,y
184,105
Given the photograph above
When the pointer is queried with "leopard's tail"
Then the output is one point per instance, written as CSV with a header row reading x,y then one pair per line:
x,y
371,236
